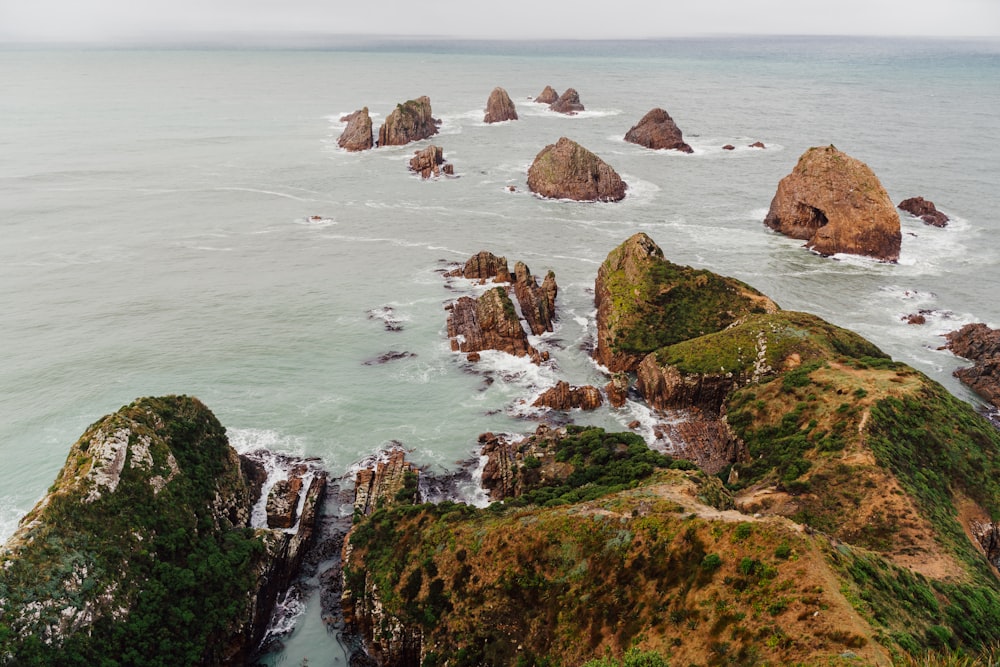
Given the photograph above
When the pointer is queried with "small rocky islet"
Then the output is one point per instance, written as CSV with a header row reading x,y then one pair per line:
x,y
820,500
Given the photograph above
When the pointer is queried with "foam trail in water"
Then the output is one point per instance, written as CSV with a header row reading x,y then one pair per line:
x,y
10,514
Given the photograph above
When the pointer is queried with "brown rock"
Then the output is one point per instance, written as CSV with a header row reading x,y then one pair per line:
x,y
357,136
925,210
657,130
538,302
915,318
568,103
987,533
429,162
837,205
283,503
564,397
489,323
410,121
547,96
381,484
499,107
500,471
708,442
981,344
484,265
757,144
729,147
617,390
567,170
665,387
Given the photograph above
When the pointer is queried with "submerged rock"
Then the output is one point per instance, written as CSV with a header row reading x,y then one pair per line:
x,y
568,103
409,121
357,136
658,130
837,205
547,96
149,519
567,170
925,210
499,107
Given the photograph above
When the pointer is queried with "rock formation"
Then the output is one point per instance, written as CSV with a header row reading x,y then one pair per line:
x,y
538,302
547,96
837,205
564,397
484,265
705,440
666,387
499,107
489,323
659,131
357,136
729,147
925,210
149,519
645,302
380,486
987,533
980,344
567,170
568,103
757,144
410,121
430,162
617,389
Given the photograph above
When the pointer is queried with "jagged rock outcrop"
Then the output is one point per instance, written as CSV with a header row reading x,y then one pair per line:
x,y
409,121
837,205
980,344
568,103
357,136
489,323
617,389
499,107
987,533
430,162
283,503
645,302
567,170
514,465
380,486
547,96
151,498
484,265
538,302
665,387
659,131
565,397
925,210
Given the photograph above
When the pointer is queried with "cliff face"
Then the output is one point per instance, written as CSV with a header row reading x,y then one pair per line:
x,y
837,205
146,526
567,170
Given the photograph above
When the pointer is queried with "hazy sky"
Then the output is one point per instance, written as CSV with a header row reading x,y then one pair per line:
x,y
97,20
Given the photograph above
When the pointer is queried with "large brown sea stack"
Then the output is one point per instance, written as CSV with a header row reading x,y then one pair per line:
x,y
499,107
568,103
357,136
410,121
659,131
567,170
547,96
837,205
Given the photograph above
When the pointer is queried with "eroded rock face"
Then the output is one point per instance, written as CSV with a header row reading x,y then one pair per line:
x,y
283,503
565,397
568,103
430,162
706,440
382,483
659,131
981,344
988,535
482,266
499,107
410,121
665,387
925,210
837,205
567,170
547,96
617,389
357,136
489,323
145,492
538,302
506,474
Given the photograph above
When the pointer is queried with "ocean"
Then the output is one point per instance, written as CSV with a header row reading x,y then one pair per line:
x,y
182,221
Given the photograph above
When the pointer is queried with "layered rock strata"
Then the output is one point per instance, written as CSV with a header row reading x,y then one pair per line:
x,y
568,103
378,486
925,210
429,162
499,107
357,136
837,205
566,397
409,121
489,323
567,170
980,344
482,266
658,130
538,302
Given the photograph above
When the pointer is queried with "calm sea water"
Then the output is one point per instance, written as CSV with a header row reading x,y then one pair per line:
x,y
156,231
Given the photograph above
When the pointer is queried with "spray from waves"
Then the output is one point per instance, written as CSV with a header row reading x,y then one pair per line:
x,y
10,515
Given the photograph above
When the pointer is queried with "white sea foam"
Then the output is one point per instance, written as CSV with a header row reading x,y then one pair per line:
x,y
10,514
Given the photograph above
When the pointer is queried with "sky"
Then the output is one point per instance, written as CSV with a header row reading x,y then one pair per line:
x,y
164,20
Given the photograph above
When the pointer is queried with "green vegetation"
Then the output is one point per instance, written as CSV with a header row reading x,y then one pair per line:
x,y
632,658
160,555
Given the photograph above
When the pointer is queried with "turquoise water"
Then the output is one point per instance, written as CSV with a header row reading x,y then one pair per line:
x,y
156,231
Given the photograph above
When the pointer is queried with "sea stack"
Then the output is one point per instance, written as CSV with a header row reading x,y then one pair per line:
x,y
499,107
568,103
658,130
567,170
547,96
837,205
410,121
925,210
357,136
